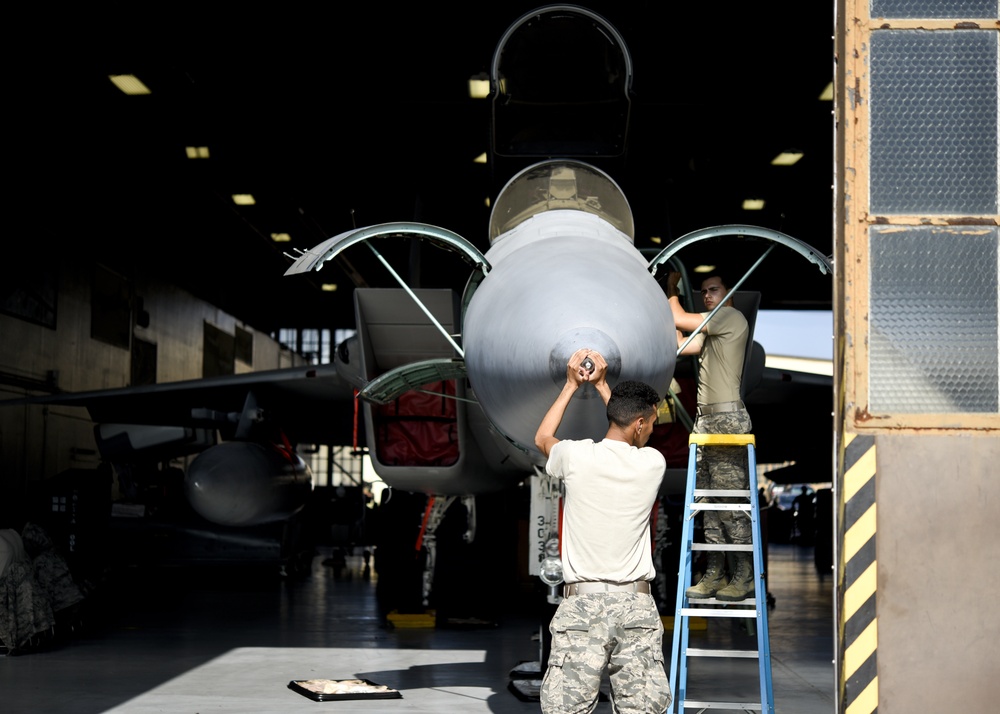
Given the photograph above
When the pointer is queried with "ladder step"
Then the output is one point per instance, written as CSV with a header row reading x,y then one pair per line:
x,y
745,602
721,492
721,439
702,652
706,612
695,507
721,546
744,706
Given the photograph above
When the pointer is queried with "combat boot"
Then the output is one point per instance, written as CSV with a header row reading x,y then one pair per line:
x,y
742,584
713,579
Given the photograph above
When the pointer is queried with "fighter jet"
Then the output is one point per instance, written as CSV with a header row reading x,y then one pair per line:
x,y
244,482
454,387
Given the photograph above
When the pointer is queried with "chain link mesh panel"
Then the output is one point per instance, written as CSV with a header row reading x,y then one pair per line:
x,y
933,146
933,9
933,320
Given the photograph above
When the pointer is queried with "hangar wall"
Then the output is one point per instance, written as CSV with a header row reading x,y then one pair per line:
x,y
917,214
937,552
47,321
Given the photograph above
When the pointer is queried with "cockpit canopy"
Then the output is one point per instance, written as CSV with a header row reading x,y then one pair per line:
x,y
560,184
562,81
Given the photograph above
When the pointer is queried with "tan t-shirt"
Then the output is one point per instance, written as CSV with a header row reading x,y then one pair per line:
x,y
611,487
721,356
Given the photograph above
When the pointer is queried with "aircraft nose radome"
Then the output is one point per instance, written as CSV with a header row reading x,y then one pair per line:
x,y
557,291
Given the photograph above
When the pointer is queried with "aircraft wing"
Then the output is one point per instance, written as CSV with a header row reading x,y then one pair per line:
x,y
242,427
310,404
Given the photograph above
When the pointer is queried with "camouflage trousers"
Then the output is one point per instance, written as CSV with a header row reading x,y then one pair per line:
x,y
724,467
617,632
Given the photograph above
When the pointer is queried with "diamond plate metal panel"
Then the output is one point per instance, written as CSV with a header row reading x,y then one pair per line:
x,y
933,9
933,147
933,320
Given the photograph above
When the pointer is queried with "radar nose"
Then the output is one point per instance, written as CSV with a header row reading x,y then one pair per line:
x,y
522,325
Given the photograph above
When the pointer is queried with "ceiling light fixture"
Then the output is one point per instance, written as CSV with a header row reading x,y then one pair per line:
x,y
129,83
196,152
281,237
704,268
787,158
329,287
753,204
479,86
243,199
481,159
827,94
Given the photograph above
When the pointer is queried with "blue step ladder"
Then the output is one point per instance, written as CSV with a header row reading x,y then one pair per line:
x,y
755,608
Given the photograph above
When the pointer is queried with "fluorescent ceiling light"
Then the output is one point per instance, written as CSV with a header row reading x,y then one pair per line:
x,y
281,237
196,152
704,268
129,84
656,240
479,86
243,199
753,204
787,158
481,159
329,287
827,95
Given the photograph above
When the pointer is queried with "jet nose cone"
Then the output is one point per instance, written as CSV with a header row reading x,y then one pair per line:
x,y
562,281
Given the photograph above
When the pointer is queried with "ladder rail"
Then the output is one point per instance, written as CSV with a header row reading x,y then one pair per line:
x,y
760,592
678,664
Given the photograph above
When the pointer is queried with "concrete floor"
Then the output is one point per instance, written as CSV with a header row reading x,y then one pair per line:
x,y
177,643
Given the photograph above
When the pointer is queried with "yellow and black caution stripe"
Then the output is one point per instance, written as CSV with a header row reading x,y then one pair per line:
x,y
858,621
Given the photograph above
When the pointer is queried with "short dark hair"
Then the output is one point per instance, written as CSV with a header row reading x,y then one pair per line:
x,y
723,278
630,400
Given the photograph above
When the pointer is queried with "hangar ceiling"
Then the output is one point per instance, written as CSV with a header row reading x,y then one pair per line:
x,y
359,115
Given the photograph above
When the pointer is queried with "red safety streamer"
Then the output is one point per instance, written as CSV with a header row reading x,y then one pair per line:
x,y
423,525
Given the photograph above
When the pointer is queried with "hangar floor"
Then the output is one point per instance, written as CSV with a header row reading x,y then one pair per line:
x,y
233,644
